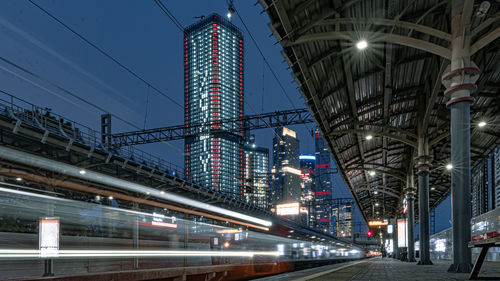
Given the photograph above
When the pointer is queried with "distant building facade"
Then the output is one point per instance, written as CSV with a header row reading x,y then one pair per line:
x,y
213,90
323,186
285,186
256,190
307,176
479,188
496,177
342,215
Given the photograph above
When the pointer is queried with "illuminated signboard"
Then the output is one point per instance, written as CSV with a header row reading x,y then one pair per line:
x,y
158,221
323,220
304,174
307,157
402,233
158,224
323,192
389,229
291,170
405,206
48,237
377,223
287,209
229,230
288,132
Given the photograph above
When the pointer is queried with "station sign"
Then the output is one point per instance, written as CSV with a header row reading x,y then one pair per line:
x,y
377,223
159,221
402,233
287,209
48,237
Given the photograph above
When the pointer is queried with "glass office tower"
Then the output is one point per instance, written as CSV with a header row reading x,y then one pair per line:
x,y
256,189
307,175
323,186
213,91
286,167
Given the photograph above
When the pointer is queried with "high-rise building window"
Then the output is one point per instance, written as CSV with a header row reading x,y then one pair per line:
x,y
213,90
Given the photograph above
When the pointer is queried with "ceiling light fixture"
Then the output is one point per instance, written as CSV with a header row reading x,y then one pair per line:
x,y
362,44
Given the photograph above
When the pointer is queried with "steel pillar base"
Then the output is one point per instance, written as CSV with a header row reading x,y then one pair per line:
x,y
460,268
420,262
48,268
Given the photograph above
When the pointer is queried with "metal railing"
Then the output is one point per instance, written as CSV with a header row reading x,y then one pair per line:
x,y
45,119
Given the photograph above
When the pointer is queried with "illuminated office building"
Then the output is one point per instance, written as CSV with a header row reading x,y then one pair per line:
x,y
480,182
256,189
213,90
496,178
307,174
342,216
323,186
286,168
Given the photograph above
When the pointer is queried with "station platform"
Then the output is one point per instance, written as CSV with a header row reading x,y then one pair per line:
x,y
385,269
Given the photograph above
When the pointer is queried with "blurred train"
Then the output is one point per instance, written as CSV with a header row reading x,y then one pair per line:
x,y
484,226
102,238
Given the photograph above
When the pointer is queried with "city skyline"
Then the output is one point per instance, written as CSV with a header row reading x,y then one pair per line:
x,y
131,95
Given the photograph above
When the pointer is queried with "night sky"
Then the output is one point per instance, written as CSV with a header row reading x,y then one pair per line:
x,y
141,37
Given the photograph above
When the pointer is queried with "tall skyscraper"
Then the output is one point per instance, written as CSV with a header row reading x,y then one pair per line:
x,y
286,168
307,174
213,90
323,186
256,190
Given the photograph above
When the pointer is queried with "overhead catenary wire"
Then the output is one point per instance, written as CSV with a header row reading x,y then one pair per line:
x,y
106,54
66,91
267,62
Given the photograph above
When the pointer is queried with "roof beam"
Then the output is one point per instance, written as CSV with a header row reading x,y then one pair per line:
x,y
378,190
485,40
432,99
353,36
388,135
389,22
394,173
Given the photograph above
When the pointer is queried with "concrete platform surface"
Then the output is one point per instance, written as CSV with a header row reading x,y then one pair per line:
x,y
385,269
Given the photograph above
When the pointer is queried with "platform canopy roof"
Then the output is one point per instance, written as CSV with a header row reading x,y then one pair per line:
x,y
390,90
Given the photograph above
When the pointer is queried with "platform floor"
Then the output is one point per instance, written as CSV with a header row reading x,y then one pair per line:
x,y
385,269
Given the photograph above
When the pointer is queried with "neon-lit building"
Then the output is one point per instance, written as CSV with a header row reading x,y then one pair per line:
x,y
256,190
307,174
286,168
342,216
323,186
213,90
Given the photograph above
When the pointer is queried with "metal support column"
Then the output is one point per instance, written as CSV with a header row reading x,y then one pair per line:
x,y
135,235
423,161
459,79
106,130
395,238
410,197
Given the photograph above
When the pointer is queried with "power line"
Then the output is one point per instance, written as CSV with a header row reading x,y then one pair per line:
x,y
105,54
170,15
265,60
76,96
